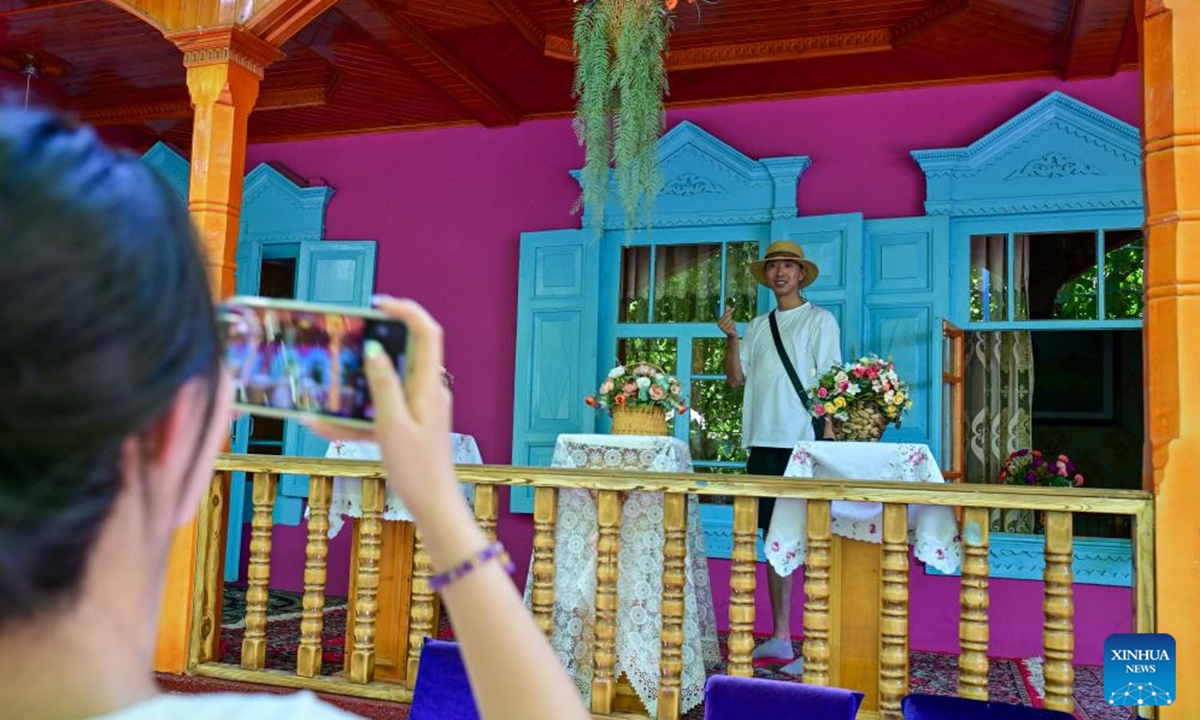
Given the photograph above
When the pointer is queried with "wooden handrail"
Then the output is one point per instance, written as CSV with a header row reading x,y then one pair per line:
x,y
1086,500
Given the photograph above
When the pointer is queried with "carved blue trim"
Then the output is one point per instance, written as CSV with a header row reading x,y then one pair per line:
x,y
279,208
173,167
1058,155
1098,561
718,532
708,182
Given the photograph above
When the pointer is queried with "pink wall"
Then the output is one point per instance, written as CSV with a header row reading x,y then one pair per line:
x,y
448,207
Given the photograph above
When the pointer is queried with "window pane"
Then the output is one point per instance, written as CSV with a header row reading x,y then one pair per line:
x,y
634,300
741,291
1061,276
656,351
989,268
687,283
1124,274
716,426
708,356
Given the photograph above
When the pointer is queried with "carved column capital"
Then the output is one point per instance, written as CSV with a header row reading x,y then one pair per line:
x,y
227,44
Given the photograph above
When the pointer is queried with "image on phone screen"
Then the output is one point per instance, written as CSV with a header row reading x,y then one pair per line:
x,y
292,359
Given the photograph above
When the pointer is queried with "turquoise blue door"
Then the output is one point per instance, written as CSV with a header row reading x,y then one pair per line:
x,y
906,284
331,272
556,345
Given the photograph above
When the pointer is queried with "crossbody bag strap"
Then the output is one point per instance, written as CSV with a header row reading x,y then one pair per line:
x,y
787,363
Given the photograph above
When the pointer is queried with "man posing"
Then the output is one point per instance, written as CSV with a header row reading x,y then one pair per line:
x,y
774,418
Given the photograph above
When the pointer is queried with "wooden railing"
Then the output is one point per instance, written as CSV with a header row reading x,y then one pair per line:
x,y
358,679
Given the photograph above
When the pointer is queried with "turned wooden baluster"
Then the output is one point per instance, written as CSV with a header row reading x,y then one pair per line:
x,y
258,574
487,509
893,615
308,657
207,603
545,518
422,608
670,664
816,592
973,624
366,582
741,586
1059,608
608,547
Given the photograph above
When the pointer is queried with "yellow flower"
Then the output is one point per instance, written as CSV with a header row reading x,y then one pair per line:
x,y
899,398
840,402
830,408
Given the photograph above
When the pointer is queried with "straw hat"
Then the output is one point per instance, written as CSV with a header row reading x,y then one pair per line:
x,y
785,250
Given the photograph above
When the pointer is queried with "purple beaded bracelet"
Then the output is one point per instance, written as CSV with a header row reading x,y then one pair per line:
x,y
495,550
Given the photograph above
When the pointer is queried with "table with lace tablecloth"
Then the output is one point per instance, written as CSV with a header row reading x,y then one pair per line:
x,y
347,492
640,566
933,530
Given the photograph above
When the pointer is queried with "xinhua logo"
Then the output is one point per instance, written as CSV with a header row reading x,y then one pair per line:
x,y
1139,669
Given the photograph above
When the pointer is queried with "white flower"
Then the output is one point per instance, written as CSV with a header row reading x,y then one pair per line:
x,y
643,382
890,397
854,390
841,377
617,372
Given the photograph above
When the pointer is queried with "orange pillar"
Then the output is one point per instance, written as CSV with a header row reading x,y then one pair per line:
x,y
1171,103
224,68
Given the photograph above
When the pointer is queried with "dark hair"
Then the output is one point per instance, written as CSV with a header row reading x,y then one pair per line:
x,y
105,313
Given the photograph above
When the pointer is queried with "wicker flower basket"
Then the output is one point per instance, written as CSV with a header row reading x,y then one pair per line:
x,y
646,420
866,424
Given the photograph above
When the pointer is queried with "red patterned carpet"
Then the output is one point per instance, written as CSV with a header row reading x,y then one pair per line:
x,y
1011,681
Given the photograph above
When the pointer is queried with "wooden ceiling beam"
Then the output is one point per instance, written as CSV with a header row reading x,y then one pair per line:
x,y
1095,32
279,20
148,107
798,48
476,88
523,22
9,10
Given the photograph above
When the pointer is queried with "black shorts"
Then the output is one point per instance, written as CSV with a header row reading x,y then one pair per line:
x,y
767,461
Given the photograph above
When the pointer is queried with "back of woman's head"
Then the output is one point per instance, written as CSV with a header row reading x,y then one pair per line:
x,y
104,315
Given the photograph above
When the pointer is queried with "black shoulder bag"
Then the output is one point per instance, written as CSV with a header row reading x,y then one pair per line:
x,y
818,424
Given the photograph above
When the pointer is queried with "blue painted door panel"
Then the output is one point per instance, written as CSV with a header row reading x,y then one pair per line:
x,y
905,281
557,300
334,273
834,243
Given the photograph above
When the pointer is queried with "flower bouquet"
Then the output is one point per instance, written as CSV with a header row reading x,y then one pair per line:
x,y
1030,467
861,398
639,396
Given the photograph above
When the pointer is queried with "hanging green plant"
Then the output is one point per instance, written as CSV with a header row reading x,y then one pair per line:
x,y
620,83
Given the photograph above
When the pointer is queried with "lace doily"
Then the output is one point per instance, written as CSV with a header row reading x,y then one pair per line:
x,y
932,530
347,492
639,580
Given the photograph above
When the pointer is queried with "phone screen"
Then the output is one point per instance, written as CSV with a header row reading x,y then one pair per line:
x,y
292,359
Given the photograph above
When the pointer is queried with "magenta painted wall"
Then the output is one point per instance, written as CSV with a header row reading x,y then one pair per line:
x,y
448,207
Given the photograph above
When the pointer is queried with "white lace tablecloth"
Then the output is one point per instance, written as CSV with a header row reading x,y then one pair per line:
x,y
639,581
347,492
933,530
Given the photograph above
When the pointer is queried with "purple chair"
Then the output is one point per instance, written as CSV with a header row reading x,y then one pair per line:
x,y
941,707
736,698
443,691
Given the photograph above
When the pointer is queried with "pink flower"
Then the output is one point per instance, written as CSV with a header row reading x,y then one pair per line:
x,y
844,386
629,388
822,392
819,411
859,372
657,393
1078,480
606,387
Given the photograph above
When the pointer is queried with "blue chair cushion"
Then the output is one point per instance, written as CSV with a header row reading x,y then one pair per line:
x,y
940,707
443,691
736,698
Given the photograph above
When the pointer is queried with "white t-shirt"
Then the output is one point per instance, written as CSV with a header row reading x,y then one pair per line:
x,y
232,706
772,415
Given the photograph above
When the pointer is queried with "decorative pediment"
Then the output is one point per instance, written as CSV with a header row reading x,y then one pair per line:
x,y
708,182
171,165
278,207
1058,155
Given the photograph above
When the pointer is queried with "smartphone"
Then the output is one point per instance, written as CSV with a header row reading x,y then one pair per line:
x,y
301,360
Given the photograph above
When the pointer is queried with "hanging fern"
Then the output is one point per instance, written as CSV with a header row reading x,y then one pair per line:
x,y
620,80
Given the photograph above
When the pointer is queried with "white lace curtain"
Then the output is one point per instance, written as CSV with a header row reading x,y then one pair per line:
x,y
1000,375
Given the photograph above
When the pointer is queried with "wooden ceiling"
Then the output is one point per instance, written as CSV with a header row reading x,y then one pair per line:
x,y
376,65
